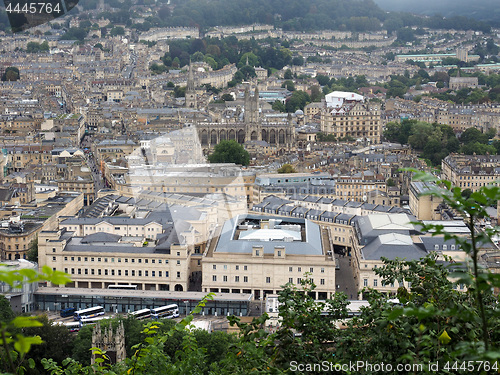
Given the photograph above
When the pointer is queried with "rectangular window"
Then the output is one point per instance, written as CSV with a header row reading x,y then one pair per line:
x,y
245,279
244,268
133,272
225,267
119,272
112,272
91,259
290,269
99,271
105,272
178,275
214,277
322,270
145,273
166,273
290,280
126,272
236,279
224,278
54,259
322,281
178,262
214,267
311,270
268,280
375,282
299,280
139,273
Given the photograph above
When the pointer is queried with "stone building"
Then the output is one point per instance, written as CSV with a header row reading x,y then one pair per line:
x,y
112,342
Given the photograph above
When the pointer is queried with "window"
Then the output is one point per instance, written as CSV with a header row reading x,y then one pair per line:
x,y
178,262
126,272
139,273
98,259
299,269
225,267
445,247
119,272
245,279
214,266
268,280
290,280
236,279
53,249
99,271
279,253
244,268
178,253
54,259
299,280
145,260
166,273
139,260
72,259
145,273
257,253
311,270
214,277
375,282
290,269
178,275
153,273
322,281
159,273
65,258
237,268
224,278
132,260
86,271
365,282
105,272
86,259
322,270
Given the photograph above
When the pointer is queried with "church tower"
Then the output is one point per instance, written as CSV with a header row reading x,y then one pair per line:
x,y
112,342
191,101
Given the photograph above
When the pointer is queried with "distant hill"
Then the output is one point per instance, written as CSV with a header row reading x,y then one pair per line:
x,y
484,10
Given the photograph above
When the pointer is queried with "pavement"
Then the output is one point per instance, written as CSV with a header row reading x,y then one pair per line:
x,y
344,277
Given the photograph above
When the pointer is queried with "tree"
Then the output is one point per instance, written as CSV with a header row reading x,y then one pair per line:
x,y
33,251
227,98
279,106
287,168
229,152
472,135
288,74
11,74
390,182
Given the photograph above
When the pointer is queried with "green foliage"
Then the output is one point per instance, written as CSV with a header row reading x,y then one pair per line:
x,y
279,106
322,137
229,152
287,168
158,69
15,344
298,100
11,74
34,47
435,141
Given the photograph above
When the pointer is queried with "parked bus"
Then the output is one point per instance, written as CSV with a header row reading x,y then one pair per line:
x,y
123,286
73,326
67,312
88,313
169,311
91,321
141,314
